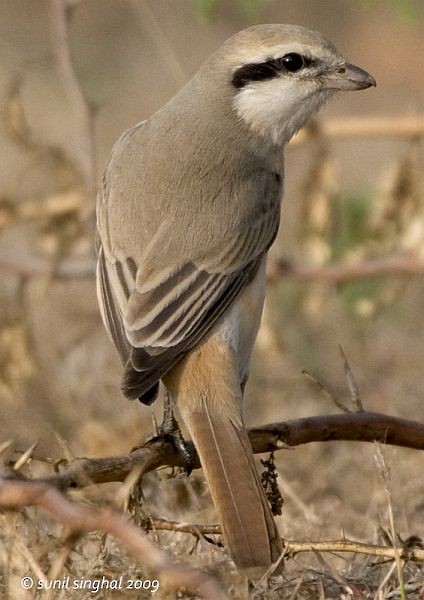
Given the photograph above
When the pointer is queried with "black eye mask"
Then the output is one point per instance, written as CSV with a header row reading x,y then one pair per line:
x,y
269,69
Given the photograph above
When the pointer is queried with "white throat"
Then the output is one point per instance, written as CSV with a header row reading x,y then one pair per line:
x,y
278,108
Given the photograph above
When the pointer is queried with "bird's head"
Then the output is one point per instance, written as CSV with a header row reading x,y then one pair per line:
x,y
279,75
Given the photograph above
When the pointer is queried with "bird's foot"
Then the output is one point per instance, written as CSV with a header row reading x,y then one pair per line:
x,y
169,431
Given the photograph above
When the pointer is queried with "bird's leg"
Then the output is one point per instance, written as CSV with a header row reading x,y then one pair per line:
x,y
170,430
169,423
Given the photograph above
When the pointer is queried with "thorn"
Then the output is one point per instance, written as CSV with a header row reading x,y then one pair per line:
x,y
282,445
355,395
5,445
63,445
124,493
155,426
26,456
330,396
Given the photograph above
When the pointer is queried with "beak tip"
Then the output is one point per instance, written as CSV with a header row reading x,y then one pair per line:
x,y
371,81
363,79
350,78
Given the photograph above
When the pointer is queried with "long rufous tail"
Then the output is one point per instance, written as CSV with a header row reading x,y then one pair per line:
x,y
210,406
229,467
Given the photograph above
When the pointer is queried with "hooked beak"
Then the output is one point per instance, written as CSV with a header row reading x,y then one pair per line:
x,y
347,78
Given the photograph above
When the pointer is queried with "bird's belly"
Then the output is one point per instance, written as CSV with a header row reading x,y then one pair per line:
x,y
239,326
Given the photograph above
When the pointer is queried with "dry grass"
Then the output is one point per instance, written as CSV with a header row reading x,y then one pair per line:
x,y
36,545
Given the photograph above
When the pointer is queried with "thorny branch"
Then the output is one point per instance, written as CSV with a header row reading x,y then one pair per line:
x,y
291,548
358,426
79,519
18,491
173,575
413,554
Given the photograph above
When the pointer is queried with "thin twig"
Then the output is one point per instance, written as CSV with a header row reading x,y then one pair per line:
x,y
385,475
32,266
401,265
392,266
355,127
78,518
30,559
165,525
57,566
411,554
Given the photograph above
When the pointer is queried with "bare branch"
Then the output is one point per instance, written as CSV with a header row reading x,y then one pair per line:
x,y
164,524
331,274
356,427
360,426
406,265
78,519
31,266
355,127
413,554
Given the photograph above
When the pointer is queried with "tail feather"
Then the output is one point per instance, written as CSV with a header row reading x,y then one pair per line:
x,y
206,388
230,470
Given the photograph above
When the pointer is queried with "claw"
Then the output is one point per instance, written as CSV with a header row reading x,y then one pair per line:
x,y
171,430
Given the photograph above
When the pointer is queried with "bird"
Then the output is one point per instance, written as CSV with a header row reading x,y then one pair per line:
x,y
187,209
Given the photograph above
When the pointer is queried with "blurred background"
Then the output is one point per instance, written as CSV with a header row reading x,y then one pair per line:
x,y
69,85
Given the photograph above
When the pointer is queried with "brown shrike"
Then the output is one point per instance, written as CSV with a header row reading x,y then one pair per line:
x,y
188,208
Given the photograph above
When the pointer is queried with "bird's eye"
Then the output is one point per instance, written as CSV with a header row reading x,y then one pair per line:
x,y
293,62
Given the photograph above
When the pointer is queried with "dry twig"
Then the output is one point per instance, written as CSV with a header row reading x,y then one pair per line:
x,y
392,266
401,265
165,525
412,554
344,127
355,426
78,519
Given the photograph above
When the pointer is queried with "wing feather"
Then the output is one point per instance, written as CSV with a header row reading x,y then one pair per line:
x,y
109,309
157,312
144,368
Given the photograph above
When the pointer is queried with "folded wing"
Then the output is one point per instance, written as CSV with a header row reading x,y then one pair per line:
x,y
157,310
